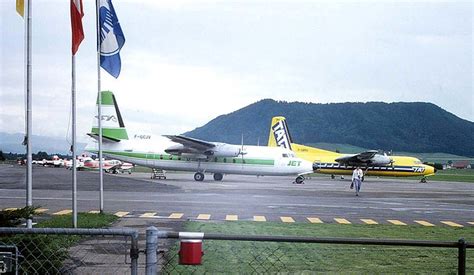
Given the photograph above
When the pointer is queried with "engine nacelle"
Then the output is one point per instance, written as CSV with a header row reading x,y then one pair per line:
x,y
381,160
224,150
176,150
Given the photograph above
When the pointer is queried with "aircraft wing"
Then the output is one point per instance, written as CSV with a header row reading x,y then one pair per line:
x,y
361,158
191,143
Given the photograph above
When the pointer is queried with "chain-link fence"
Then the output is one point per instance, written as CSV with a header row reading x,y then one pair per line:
x,y
223,254
68,251
116,251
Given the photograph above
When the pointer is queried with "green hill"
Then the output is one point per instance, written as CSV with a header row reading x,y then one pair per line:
x,y
403,127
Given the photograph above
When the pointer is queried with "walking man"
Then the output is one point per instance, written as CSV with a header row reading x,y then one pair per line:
x,y
357,175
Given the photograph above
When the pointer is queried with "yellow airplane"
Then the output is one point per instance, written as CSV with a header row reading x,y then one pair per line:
x,y
332,163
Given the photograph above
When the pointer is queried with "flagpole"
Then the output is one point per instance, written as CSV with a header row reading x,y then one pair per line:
x,y
99,112
74,170
29,119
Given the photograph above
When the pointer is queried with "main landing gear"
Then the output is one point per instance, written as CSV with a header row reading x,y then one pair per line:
x,y
423,180
299,180
200,176
218,176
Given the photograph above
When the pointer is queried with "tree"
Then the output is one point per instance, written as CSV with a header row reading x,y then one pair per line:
x,y
41,155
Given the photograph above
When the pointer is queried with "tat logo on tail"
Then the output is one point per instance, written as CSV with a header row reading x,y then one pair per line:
x,y
280,132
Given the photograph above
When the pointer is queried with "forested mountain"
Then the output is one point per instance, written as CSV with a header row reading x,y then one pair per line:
x,y
409,127
51,145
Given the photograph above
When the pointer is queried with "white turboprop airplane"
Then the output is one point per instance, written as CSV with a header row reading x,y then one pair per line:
x,y
181,153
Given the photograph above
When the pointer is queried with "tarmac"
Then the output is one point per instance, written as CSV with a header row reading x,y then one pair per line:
x,y
141,201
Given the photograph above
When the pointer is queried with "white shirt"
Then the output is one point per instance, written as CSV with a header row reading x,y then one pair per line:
x,y
357,174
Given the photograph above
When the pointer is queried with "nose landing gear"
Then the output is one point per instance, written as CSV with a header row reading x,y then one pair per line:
x,y
299,180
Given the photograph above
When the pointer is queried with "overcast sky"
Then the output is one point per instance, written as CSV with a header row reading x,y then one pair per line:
x,y
186,62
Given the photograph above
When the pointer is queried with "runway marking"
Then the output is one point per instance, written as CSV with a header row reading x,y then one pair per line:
x,y
452,224
176,216
314,220
121,214
259,219
287,219
231,217
396,222
63,212
11,209
424,223
41,210
148,215
203,217
94,212
342,221
369,221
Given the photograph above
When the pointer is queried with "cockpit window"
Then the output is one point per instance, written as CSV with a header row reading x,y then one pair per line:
x,y
418,162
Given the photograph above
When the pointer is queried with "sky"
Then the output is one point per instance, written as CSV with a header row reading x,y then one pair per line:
x,y
187,62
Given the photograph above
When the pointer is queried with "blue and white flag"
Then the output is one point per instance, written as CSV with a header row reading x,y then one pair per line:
x,y
111,38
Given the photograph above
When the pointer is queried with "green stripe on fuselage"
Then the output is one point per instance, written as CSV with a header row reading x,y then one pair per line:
x,y
168,157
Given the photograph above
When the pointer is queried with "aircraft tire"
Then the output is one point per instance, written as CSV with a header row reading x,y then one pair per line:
x,y
333,177
299,180
218,176
199,176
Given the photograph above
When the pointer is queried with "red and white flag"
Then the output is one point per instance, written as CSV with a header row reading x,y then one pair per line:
x,y
76,24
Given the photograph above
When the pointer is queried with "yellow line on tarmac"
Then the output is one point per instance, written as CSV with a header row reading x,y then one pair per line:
x,y
342,221
259,218
94,212
41,210
121,214
424,223
63,212
314,220
396,222
369,221
452,223
148,215
176,216
203,217
231,217
287,219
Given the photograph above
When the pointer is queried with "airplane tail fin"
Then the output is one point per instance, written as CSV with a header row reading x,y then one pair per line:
x,y
279,133
113,128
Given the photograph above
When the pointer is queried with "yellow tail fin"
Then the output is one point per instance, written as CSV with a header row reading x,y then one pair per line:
x,y
279,134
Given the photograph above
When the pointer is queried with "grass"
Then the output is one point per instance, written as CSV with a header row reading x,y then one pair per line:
x,y
84,220
267,257
461,175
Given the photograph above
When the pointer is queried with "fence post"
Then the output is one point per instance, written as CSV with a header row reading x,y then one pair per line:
x,y
462,257
134,254
151,248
